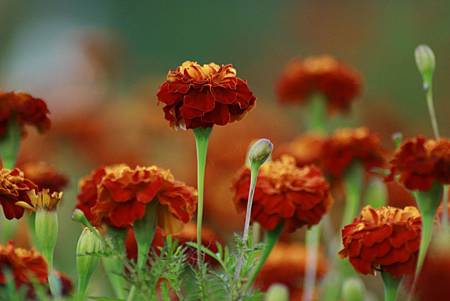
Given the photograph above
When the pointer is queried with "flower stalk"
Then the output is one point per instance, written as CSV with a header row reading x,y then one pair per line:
x,y
391,285
9,144
312,249
353,183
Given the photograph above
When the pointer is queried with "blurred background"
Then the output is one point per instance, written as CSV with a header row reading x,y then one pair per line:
x,y
98,64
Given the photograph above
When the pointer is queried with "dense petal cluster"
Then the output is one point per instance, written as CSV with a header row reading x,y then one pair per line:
x,y
197,95
346,146
118,195
385,239
339,83
285,193
14,187
26,109
44,175
286,264
420,162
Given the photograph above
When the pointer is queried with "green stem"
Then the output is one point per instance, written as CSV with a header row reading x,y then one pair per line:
x,y
428,202
9,145
269,242
144,230
132,293
201,143
312,248
391,285
433,118
353,182
317,113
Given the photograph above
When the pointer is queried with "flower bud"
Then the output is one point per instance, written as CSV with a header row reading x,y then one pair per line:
x,y
426,63
353,290
277,292
260,151
78,216
89,247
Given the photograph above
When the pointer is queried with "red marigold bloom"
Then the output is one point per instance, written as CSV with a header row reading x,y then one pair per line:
x,y
339,83
14,187
44,176
346,146
118,196
202,96
285,193
306,149
420,162
286,264
27,110
26,266
385,239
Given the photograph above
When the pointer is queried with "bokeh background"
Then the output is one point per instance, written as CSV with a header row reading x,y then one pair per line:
x,y
98,64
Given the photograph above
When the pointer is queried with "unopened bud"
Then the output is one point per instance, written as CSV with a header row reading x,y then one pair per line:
x,y
78,216
353,290
260,151
426,63
277,292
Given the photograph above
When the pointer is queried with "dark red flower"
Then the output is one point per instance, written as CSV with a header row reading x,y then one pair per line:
x,y
339,83
202,96
385,239
419,162
346,146
26,109
44,176
118,196
14,187
285,193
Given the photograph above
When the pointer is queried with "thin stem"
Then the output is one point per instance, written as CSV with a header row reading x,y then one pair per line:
x,y
312,248
270,239
317,115
391,285
353,183
445,206
9,145
432,112
201,143
131,293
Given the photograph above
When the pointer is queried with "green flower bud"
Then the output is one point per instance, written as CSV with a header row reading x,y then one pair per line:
x,y
78,216
89,247
260,151
277,292
353,290
426,63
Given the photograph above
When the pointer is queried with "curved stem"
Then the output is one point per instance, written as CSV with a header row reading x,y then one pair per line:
x,y
312,248
201,143
432,112
270,239
391,285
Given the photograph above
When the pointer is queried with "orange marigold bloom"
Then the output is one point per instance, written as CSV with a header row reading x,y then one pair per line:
x,y
285,193
345,146
14,187
118,196
202,96
306,149
26,109
339,83
420,162
44,175
26,266
385,239
286,264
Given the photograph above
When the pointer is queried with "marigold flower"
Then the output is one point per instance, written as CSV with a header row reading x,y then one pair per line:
x,y
420,162
26,109
286,264
118,196
306,149
385,239
345,146
202,96
43,199
44,175
339,83
14,187
285,193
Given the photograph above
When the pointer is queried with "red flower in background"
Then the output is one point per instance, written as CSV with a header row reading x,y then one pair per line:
x,y
346,146
306,149
44,176
118,196
14,187
202,96
26,109
339,83
420,162
285,193
385,239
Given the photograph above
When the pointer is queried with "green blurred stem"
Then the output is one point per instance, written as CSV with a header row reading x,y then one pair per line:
x,y
201,142
317,115
428,202
432,112
270,240
9,145
144,230
391,285
353,184
312,248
